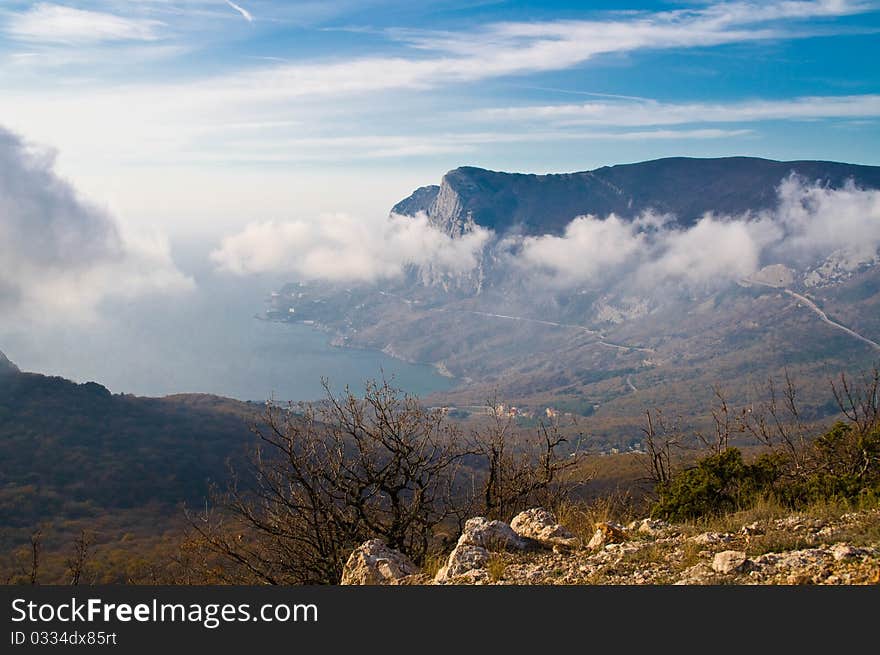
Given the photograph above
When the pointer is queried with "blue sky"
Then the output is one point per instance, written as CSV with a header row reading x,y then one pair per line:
x,y
200,116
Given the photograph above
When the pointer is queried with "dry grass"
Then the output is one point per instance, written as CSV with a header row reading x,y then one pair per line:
x,y
496,567
581,518
762,513
690,554
779,541
433,563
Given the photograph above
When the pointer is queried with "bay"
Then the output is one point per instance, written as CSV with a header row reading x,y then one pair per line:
x,y
206,341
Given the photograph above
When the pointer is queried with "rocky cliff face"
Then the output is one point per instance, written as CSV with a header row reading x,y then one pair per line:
x,y
420,201
444,205
6,366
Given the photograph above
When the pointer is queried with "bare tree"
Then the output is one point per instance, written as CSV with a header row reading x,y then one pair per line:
x,y
328,477
661,437
36,551
723,426
76,565
523,474
858,402
778,422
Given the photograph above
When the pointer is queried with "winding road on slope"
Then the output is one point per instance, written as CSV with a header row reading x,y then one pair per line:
x,y
600,341
820,313
809,303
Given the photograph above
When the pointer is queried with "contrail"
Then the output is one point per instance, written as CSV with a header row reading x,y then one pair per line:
x,y
244,12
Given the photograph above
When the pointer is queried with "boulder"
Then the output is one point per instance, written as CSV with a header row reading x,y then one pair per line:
x,y
478,539
540,525
710,538
730,561
465,559
607,533
494,536
845,551
649,527
374,563
752,529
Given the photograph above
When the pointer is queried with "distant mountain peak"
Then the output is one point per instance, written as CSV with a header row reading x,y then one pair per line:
x,y
683,186
6,366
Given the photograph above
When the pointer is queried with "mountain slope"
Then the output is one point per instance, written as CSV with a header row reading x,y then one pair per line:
x,y
76,451
6,366
685,187
618,337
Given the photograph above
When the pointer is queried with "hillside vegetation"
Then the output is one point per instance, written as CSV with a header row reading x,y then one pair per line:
x,y
326,478
74,455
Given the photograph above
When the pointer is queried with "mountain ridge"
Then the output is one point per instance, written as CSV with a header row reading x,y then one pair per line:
x,y
7,366
685,187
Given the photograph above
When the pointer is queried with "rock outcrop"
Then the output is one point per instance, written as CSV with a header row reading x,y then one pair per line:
x,y
494,536
730,561
374,563
790,550
479,538
540,525
464,560
607,533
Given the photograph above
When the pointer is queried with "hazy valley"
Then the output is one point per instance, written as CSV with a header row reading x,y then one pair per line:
x,y
642,325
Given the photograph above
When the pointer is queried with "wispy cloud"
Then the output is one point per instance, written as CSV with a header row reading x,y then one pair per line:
x,y
526,47
58,24
426,59
279,148
651,112
347,107
244,12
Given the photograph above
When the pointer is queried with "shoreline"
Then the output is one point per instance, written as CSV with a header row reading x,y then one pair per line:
x,y
337,340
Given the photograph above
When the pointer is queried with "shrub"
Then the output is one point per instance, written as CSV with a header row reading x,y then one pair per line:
x,y
718,484
845,466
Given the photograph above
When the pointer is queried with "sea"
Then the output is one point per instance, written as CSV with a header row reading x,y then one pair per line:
x,y
210,340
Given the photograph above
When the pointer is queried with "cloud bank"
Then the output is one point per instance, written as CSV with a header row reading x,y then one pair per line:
x,y
343,248
808,224
61,257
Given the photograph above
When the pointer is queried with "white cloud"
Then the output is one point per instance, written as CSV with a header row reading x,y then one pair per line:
x,y
651,112
340,247
503,49
51,23
279,148
817,221
61,257
808,224
589,248
712,250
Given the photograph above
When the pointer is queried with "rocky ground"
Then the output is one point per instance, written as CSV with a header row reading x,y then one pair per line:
x,y
835,548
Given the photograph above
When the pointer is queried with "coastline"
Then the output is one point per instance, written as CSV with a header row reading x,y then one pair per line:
x,y
338,340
